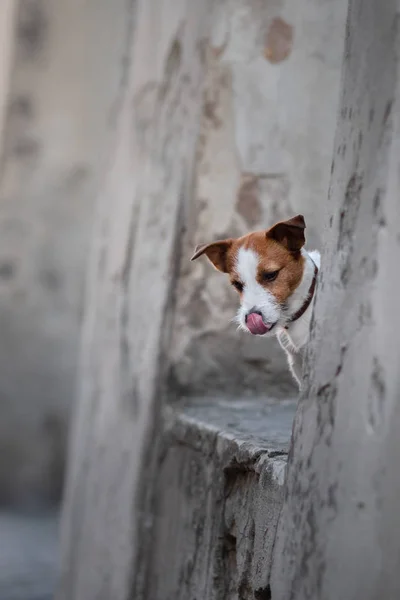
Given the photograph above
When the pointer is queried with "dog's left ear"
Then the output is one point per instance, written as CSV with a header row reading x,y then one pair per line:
x,y
216,253
289,233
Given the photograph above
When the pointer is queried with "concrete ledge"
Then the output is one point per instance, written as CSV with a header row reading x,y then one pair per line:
x,y
252,425
218,498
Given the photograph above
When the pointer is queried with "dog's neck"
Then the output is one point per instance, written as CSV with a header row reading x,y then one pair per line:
x,y
298,328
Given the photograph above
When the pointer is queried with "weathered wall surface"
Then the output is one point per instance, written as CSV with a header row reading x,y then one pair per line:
x,y
131,280
189,134
61,89
219,492
263,154
260,156
338,534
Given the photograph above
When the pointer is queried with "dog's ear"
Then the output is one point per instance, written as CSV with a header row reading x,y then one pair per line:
x,y
289,233
216,253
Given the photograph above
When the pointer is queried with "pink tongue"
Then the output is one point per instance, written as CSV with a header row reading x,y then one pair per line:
x,y
256,324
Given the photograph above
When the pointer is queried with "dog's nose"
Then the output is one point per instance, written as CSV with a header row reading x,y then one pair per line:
x,y
252,311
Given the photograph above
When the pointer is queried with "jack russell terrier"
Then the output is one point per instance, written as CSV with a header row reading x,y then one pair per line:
x,y
276,280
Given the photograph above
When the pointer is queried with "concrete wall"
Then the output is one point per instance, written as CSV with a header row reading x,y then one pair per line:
x,y
59,88
338,532
128,324
168,501
259,157
208,83
263,154
7,28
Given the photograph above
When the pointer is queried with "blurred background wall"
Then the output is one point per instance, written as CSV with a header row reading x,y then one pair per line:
x,y
270,80
241,96
61,68
227,124
263,154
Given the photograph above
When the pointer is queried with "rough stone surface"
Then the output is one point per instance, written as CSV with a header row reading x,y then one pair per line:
x,y
58,87
218,497
338,534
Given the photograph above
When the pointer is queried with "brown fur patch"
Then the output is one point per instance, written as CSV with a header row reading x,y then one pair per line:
x,y
278,249
273,257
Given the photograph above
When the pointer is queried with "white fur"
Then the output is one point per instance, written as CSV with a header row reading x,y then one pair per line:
x,y
299,330
254,296
295,337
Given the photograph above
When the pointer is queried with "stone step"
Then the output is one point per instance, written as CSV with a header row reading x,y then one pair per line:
x,y
218,498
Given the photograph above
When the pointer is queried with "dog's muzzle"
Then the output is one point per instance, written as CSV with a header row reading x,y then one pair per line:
x,y
255,323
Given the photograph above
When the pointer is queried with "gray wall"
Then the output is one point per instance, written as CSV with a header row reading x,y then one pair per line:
x,y
339,529
270,74
144,473
263,154
205,130
59,91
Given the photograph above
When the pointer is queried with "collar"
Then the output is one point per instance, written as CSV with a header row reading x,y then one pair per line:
x,y
299,313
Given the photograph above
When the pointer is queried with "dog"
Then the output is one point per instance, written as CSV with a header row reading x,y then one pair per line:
x,y
276,279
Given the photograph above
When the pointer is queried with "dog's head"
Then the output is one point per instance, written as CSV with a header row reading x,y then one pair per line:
x,y
265,267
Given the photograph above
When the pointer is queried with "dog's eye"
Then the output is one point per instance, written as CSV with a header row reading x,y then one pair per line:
x,y
238,285
269,275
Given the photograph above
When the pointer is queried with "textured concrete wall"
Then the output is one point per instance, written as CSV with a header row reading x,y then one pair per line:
x,y
127,328
338,532
263,154
260,156
219,492
62,88
189,136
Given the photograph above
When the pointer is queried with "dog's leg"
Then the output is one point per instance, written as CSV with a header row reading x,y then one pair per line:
x,y
294,356
295,361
